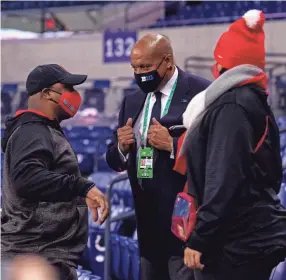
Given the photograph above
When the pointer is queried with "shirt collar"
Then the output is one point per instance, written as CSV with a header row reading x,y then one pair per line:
x,y
167,88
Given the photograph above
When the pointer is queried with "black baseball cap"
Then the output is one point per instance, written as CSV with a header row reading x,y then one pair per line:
x,y
44,76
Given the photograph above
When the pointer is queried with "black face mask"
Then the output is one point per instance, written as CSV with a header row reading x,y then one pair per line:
x,y
149,81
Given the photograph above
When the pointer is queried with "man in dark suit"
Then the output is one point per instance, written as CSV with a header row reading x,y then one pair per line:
x,y
143,137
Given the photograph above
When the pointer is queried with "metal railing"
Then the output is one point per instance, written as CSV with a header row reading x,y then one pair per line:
x,y
110,220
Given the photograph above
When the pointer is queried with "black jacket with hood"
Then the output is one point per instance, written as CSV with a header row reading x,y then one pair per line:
x,y
235,183
42,208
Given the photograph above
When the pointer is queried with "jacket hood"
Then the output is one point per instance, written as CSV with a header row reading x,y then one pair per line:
x,y
21,118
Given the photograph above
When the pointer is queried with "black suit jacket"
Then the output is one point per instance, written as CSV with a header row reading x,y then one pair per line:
x,y
154,199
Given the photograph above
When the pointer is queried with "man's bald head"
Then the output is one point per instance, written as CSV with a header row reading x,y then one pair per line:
x,y
154,45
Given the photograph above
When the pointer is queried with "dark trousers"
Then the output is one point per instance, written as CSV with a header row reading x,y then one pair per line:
x,y
172,268
225,270
65,272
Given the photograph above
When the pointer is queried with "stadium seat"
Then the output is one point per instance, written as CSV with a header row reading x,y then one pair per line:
x,y
102,165
78,131
23,104
103,84
283,140
6,103
86,163
81,273
207,12
281,122
102,179
135,260
94,98
124,257
97,251
115,255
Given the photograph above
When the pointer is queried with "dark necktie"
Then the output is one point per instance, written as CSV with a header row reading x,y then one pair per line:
x,y
156,110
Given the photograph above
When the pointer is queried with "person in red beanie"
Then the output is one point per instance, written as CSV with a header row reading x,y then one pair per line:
x,y
231,154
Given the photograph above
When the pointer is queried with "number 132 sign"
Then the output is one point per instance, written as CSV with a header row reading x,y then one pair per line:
x,y
118,46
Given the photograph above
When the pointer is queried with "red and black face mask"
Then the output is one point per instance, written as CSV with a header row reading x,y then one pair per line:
x,y
69,103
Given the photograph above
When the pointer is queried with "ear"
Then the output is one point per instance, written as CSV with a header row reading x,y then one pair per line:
x,y
45,93
170,61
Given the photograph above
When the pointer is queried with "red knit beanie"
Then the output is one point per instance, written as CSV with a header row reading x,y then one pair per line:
x,y
243,43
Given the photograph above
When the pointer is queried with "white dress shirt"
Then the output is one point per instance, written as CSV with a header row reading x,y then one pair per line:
x,y
138,126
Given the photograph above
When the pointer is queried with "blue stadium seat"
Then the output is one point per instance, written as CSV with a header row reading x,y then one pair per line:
x,y
124,257
10,88
208,12
101,148
78,131
102,165
283,140
6,103
103,84
86,145
94,98
96,251
102,179
24,5
115,255
81,274
86,163
281,122
122,194
135,260
23,104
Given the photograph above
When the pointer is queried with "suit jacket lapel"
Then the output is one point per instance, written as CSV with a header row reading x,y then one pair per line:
x,y
134,109
178,104
137,105
179,101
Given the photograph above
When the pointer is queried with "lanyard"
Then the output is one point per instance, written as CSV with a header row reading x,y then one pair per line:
x,y
166,109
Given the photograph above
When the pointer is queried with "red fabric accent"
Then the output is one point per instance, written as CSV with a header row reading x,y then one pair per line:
x,y
183,226
260,80
241,45
263,136
215,71
19,112
70,102
181,162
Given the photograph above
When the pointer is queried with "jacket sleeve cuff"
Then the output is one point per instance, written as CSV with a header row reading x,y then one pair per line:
x,y
197,243
122,157
84,186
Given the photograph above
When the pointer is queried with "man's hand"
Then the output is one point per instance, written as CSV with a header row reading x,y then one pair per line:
x,y
95,199
192,259
125,137
159,137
